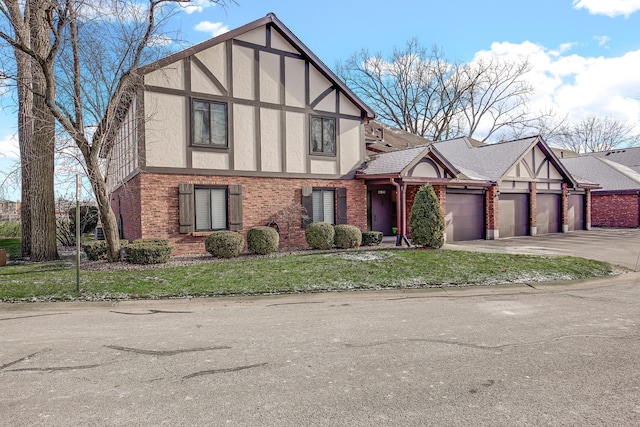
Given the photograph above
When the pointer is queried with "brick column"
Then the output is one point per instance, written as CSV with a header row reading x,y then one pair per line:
x,y
587,209
564,215
533,229
491,214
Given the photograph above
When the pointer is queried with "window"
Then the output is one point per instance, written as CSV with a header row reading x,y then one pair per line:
x,y
209,124
211,208
323,135
323,202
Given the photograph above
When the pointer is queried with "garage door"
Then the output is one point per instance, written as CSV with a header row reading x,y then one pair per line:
x,y
513,215
465,216
575,214
548,213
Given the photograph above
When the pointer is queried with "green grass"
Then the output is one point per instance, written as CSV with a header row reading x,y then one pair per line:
x,y
335,271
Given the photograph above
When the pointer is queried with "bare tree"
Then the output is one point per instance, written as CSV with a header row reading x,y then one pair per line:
x,y
88,74
593,134
422,92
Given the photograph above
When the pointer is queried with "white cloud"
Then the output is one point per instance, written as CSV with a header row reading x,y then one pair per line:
x,y
577,85
611,8
602,40
194,6
9,148
213,28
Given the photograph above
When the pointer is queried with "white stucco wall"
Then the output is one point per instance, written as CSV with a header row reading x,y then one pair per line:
x,y
271,147
244,144
210,160
296,143
165,137
294,82
269,78
215,59
243,83
171,76
350,145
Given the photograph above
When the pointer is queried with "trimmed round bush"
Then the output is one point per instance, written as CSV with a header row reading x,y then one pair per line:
x,y
148,251
263,240
224,244
371,238
320,235
97,249
347,236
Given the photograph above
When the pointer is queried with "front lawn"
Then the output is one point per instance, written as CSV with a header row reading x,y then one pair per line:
x,y
335,271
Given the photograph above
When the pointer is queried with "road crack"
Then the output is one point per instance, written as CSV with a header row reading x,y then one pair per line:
x,y
223,370
165,352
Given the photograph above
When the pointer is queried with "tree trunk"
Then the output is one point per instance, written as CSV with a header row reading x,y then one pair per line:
x,y
107,217
43,214
25,134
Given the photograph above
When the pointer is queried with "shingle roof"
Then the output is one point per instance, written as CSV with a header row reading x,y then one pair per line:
x,y
393,162
485,162
610,175
629,157
382,138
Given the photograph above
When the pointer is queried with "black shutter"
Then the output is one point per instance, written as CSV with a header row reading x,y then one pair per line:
x,y
186,207
235,207
342,205
307,205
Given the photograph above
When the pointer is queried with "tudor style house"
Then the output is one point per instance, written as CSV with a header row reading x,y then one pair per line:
x,y
227,133
486,191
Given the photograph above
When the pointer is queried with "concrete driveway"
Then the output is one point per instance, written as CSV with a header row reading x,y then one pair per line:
x,y
615,246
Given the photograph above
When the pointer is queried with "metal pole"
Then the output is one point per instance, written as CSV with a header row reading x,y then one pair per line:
x,y
78,190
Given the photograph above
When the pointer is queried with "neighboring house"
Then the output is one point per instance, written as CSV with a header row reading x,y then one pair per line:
x,y
381,138
617,202
9,210
486,191
227,133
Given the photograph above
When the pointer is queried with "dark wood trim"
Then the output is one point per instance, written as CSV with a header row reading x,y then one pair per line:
x,y
283,115
260,48
230,112
267,35
323,95
209,75
189,106
249,174
257,131
338,132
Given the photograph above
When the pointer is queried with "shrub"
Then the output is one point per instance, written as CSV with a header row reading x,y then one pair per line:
x,y
371,238
263,240
148,251
97,249
347,236
427,221
13,248
320,235
224,244
10,228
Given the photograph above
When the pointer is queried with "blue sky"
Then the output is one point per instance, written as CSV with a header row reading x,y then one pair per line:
x,y
586,52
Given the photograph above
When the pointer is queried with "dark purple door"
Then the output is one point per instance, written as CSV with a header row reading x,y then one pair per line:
x,y
382,211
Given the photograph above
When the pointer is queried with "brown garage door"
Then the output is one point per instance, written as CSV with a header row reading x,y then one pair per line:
x,y
575,214
548,213
513,215
465,216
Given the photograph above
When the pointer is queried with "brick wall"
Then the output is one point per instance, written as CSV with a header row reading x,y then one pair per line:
x,y
261,199
614,210
125,202
491,212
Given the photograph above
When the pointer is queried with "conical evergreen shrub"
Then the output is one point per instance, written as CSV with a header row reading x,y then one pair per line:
x,y
427,221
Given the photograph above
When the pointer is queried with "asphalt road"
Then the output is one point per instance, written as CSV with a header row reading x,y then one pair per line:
x,y
550,355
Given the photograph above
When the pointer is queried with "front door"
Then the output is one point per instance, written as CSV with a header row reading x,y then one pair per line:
x,y
382,211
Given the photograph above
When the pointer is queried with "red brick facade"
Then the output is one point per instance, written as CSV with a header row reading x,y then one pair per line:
x,y
615,210
149,205
491,217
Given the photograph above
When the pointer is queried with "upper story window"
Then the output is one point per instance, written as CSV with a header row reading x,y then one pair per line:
x,y
209,124
323,135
